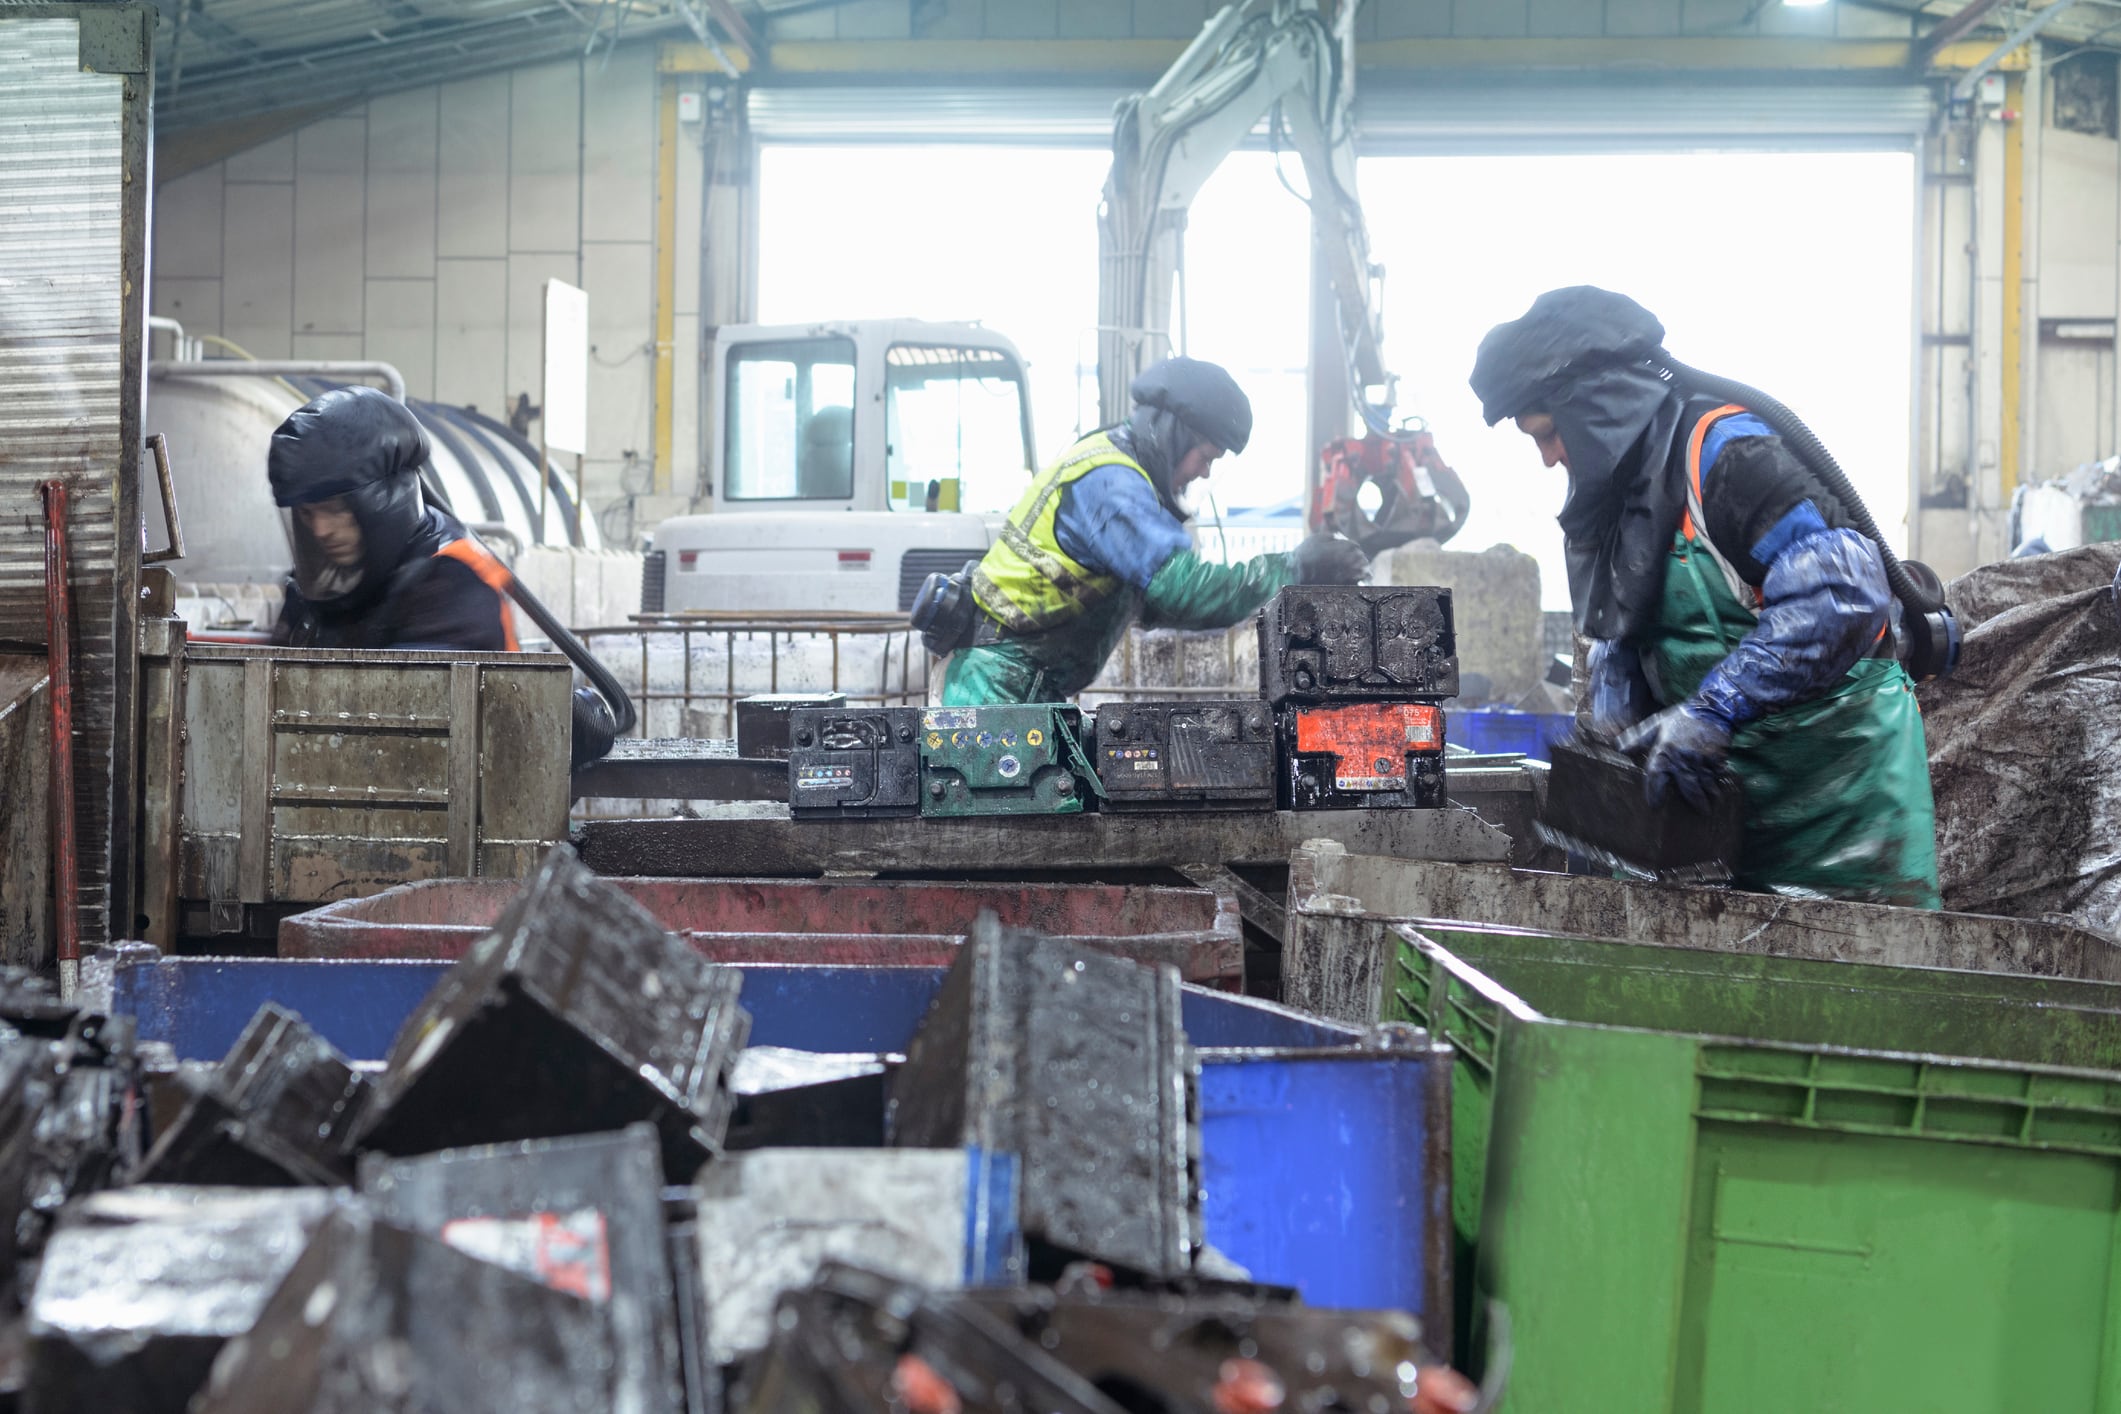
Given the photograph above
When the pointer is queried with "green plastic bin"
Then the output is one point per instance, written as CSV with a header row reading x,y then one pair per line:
x,y
1720,1182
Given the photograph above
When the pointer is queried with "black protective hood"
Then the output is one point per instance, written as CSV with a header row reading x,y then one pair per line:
x,y
363,449
1588,358
1159,440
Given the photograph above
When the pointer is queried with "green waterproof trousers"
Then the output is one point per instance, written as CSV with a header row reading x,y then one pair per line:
x,y
1837,790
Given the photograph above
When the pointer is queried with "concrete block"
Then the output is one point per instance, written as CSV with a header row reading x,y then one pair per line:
x,y
188,226
472,211
1483,19
1565,19
544,158
1718,17
267,162
1169,19
620,279
527,274
1653,18
257,295
1097,19
331,163
399,322
1494,607
1413,19
403,149
948,19
471,333
1023,19
196,304
874,19
619,156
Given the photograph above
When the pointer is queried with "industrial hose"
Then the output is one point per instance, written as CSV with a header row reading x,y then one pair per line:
x,y
623,716
1923,598
1928,643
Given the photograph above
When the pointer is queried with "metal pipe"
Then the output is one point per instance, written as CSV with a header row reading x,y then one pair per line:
x,y
393,381
1964,89
180,346
59,632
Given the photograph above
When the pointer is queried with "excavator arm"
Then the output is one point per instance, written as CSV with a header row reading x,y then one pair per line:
x,y
1285,61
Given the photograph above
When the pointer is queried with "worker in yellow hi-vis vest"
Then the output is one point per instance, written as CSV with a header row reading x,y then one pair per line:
x,y
1100,540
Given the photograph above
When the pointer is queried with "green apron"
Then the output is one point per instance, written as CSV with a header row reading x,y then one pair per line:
x,y
1837,790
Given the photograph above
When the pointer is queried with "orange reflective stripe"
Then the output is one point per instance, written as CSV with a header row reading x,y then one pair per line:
x,y
494,575
1693,460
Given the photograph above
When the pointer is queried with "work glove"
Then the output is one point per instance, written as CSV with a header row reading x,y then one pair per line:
x,y
1190,592
594,729
1326,558
1618,697
1683,748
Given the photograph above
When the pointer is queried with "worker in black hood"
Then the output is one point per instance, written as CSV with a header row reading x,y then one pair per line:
x,y
1099,539
1737,617
375,565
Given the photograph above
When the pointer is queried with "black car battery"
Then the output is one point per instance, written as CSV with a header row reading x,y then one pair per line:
x,y
1007,760
1206,755
762,721
860,763
1358,643
1362,756
1597,806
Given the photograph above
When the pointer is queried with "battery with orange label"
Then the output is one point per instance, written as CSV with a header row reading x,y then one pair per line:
x,y
1362,756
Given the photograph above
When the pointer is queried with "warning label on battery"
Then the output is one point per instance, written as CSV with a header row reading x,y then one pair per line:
x,y
565,1251
950,718
824,777
1133,758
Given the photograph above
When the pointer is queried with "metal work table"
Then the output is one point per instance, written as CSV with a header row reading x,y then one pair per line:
x,y
767,842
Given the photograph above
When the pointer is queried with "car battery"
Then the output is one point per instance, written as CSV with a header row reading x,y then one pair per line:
x,y
1362,756
1597,806
1013,760
854,763
1358,643
762,721
1204,755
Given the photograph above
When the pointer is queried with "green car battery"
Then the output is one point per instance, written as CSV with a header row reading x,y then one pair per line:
x,y
1005,760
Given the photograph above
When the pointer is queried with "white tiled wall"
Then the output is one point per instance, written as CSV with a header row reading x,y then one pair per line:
x,y
420,228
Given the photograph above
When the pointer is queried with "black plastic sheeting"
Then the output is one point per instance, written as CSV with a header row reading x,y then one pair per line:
x,y
2025,742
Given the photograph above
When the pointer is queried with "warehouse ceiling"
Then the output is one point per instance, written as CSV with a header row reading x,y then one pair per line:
x,y
227,63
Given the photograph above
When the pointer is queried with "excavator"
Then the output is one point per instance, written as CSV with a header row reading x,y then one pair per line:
x,y
1287,63
827,508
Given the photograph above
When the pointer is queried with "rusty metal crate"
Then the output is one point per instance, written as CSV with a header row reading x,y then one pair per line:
x,y
900,922
311,776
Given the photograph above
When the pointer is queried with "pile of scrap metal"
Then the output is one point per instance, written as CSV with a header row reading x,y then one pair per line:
x,y
572,1187
2024,738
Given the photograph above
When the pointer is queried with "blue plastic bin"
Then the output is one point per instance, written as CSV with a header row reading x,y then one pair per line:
x,y
1325,1163
1493,730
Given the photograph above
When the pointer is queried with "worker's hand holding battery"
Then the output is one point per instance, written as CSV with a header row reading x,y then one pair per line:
x,y
1682,748
1619,696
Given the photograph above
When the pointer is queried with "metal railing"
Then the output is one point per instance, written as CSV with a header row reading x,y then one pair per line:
x,y
687,671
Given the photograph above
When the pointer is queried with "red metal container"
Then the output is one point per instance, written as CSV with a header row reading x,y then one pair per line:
x,y
903,923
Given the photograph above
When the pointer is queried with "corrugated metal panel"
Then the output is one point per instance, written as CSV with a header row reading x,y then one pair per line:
x,y
1650,114
61,308
1390,118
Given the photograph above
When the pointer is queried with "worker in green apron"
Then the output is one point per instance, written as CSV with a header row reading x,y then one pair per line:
x,y
1737,619
1100,540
